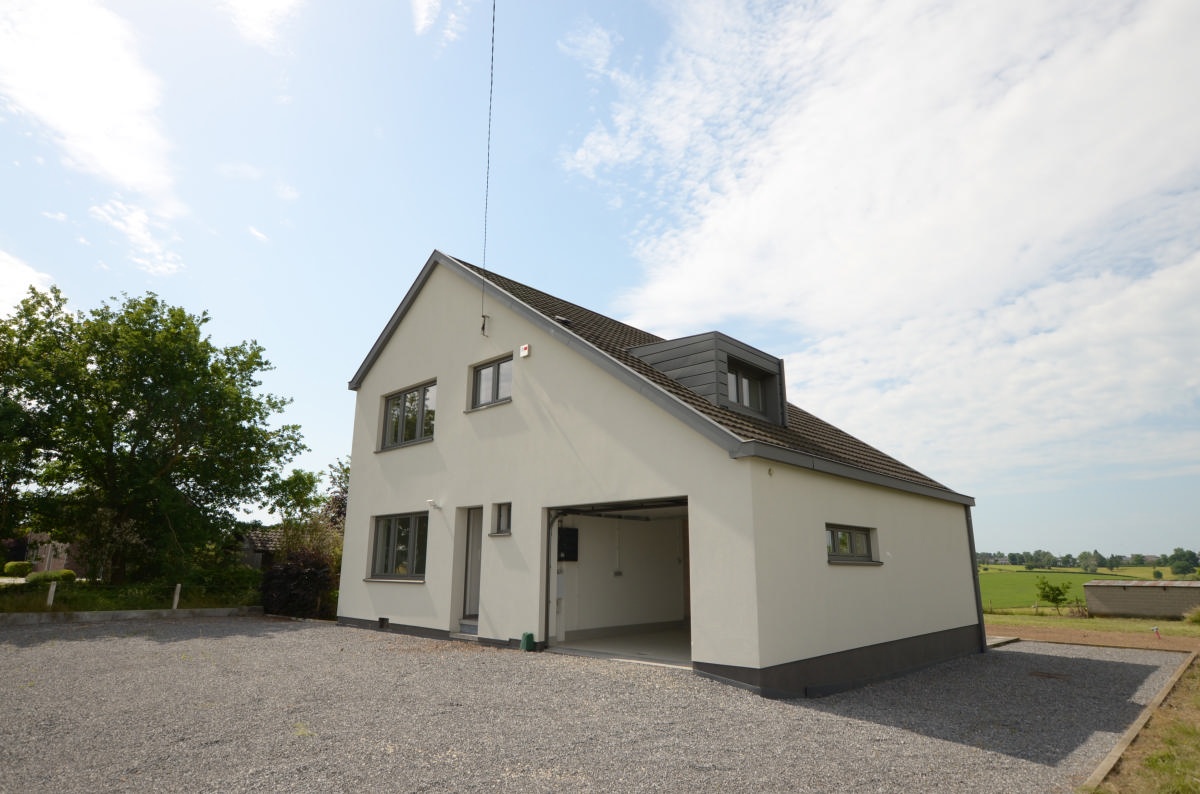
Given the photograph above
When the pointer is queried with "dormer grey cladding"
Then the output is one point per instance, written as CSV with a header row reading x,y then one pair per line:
x,y
702,363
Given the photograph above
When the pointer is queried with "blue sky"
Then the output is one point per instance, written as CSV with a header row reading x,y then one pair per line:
x,y
972,230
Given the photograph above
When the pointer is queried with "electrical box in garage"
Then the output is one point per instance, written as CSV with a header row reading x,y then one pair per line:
x,y
568,544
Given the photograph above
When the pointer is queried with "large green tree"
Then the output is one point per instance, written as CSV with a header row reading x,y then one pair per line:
x,y
144,438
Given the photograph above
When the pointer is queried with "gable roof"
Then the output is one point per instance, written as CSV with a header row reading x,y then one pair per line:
x,y
805,441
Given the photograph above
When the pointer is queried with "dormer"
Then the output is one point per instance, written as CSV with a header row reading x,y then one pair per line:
x,y
723,371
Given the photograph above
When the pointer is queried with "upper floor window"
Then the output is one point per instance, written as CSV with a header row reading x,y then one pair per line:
x,y
492,383
745,387
408,416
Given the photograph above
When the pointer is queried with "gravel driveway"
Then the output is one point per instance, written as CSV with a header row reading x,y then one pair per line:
x,y
241,704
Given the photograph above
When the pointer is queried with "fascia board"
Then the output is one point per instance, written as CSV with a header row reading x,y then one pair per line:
x,y
398,315
759,449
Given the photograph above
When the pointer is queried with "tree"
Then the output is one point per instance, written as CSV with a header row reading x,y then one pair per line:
x,y
1087,561
1067,561
1183,561
1053,594
1114,562
302,582
147,437
1137,559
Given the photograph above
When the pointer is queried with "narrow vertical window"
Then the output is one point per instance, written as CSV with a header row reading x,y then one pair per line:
x,y
502,524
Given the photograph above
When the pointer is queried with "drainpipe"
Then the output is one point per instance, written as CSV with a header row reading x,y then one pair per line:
x,y
975,580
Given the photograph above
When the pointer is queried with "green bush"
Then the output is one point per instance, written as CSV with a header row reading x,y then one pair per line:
x,y
17,568
1192,615
65,575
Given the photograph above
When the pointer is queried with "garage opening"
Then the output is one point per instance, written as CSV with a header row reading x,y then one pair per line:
x,y
619,580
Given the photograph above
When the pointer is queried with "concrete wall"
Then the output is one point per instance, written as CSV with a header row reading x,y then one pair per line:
x,y
809,607
1142,599
571,435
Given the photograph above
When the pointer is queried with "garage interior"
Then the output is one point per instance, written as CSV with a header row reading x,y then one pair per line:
x,y
618,582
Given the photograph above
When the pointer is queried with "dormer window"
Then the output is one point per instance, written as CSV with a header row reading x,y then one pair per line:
x,y
723,371
745,386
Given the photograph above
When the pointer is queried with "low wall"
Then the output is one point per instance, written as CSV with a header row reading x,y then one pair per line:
x,y
1157,599
31,618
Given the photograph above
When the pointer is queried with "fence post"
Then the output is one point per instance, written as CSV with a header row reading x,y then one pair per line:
x,y
175,603
50,595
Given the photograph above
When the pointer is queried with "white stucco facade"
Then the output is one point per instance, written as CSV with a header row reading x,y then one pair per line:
x,y
744,563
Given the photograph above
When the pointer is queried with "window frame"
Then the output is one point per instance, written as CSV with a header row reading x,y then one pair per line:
x,y
417,551
492,368
856,537
426,404
501,519
739,377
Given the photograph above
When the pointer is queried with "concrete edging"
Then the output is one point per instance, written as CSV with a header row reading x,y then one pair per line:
x,y
1114,755
35,618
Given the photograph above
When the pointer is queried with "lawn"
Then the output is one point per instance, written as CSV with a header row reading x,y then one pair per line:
x,y
1013,587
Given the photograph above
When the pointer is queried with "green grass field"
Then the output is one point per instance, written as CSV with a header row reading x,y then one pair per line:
x,y
1013,587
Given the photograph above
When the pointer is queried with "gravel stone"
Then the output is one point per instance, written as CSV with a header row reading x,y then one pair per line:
x,y
263,704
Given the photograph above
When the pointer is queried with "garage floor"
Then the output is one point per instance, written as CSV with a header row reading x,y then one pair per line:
x,y
671,647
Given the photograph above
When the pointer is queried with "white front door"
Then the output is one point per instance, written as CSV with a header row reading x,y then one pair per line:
x,y
474,558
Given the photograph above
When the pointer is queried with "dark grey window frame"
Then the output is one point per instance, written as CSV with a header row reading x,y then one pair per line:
x,y
740,380
425,418
857,538
416,548
494,398
501,519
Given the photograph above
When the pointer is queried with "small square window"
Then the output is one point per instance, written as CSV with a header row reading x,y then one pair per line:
x,y
502,521
492,383
849,544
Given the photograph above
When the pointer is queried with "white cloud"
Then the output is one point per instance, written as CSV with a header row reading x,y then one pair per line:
x,y
73,67
286,192
240,171
151,252
976,223
16,277
592,45
425,13
261,21
55,216
257,235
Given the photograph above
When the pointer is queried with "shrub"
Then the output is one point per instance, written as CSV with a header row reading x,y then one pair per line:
x,y
1157,574
18,568
301,587
1192,615
65,575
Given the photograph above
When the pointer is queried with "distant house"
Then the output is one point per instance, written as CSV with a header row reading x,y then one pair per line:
x,y
526,468
260,545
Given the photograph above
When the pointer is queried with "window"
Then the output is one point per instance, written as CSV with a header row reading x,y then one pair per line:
x,y
502,524
408,416
493,383
399,551
745,387
848,544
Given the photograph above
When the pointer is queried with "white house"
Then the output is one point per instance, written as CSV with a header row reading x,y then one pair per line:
x,y
526,470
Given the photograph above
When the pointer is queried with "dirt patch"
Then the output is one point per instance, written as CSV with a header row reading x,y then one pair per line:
x,y
996,628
